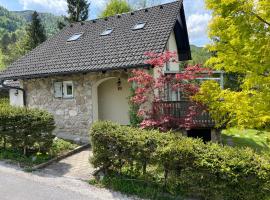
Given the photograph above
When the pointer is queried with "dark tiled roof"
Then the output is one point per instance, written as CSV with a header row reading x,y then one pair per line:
x,y
123,48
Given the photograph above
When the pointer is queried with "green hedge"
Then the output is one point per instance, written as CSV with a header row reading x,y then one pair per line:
x,y
25,129
182,165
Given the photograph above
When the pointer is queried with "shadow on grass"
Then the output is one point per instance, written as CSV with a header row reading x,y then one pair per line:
x,y
246,142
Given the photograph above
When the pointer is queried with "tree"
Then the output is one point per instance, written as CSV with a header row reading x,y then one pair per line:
x,y
35,33
151,87
5,41
116,7
240,30
77,10
2,64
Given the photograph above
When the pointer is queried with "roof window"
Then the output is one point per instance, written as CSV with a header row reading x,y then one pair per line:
x,y
107,32
139,25
75,37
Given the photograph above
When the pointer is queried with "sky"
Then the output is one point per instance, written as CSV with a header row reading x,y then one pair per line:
x,y
196,15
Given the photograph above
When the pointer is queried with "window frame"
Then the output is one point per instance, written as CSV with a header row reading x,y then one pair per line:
x,y
139,26
60,89
65,89
75,37
107,31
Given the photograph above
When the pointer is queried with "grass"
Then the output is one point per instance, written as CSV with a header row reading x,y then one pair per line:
x,y
15,156
130,186
257,140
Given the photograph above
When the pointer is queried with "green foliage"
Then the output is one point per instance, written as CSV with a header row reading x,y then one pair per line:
x,y
35,33
116,7
59,147
9,21
77,10
26,129
135,120
199,55
14,42
240,33
178,164
244,109
48,20
131,186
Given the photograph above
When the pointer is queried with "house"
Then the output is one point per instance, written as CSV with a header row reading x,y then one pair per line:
x,y
80,74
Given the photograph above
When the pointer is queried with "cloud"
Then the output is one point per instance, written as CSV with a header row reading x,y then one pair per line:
x,y
58,7
54,6
197,26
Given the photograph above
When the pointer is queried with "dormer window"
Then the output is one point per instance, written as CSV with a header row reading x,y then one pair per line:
x,y
139,25
107,32
75,37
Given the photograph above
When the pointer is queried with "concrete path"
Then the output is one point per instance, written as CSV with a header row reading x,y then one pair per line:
x,y
18,185
76,166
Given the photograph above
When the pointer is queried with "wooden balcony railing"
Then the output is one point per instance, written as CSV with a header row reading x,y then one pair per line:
x,y
181,114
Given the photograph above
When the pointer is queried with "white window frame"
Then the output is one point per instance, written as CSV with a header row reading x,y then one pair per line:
x,y
65,86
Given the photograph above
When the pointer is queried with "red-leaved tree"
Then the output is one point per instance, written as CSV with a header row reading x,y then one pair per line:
x,y
150,88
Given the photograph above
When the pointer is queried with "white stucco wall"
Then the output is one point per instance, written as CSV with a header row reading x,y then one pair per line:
x,y
15,97
172,46
113,103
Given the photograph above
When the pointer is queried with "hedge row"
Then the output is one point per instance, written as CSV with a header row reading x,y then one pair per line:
x,y
25,129
187,165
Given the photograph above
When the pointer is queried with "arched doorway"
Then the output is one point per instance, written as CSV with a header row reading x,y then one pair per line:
x,y
112,100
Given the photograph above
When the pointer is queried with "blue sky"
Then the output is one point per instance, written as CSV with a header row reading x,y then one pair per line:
x,y
196,14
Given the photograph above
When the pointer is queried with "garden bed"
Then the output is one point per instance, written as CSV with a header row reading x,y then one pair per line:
x,y
13,156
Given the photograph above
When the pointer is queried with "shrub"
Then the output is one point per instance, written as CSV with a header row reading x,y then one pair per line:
x,y
181,164
26,129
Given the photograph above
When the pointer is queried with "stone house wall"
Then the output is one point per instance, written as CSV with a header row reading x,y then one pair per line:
x,y
73,117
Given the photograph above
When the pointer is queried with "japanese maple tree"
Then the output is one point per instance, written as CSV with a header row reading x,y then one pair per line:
x,y
150,87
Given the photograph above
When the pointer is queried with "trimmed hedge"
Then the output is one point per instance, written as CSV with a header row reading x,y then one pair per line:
x,y
26,129
186,165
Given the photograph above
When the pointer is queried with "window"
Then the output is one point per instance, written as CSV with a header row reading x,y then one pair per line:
x,y
67,89
106,32
139,25
75,37
63,89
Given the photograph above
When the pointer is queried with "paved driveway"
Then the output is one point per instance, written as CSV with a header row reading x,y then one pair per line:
x,y
18,185
76,166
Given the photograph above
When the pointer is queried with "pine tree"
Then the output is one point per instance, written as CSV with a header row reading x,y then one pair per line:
x,y
77,10
35,33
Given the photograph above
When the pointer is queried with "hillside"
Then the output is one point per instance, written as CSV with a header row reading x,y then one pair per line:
x,y
199,55
49,20
10,21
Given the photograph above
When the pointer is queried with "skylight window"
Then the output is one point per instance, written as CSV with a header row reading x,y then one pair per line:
x,y
139,25
107,32
75,37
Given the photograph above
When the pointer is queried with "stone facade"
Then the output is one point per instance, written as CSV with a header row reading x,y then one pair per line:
x,y
74,116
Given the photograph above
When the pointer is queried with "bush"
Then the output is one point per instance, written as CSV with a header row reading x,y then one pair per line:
x,y
26,129
182,165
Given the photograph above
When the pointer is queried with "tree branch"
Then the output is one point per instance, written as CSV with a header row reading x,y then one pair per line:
x,y
260,18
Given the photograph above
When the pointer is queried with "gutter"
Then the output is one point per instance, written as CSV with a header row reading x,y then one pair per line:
x,y
2,83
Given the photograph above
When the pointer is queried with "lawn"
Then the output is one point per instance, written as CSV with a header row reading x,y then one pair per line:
x,y
257,140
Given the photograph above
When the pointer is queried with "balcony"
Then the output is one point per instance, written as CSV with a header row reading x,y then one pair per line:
x,y
182,114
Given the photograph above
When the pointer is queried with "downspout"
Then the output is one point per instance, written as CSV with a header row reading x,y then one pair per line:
x,y
2,82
